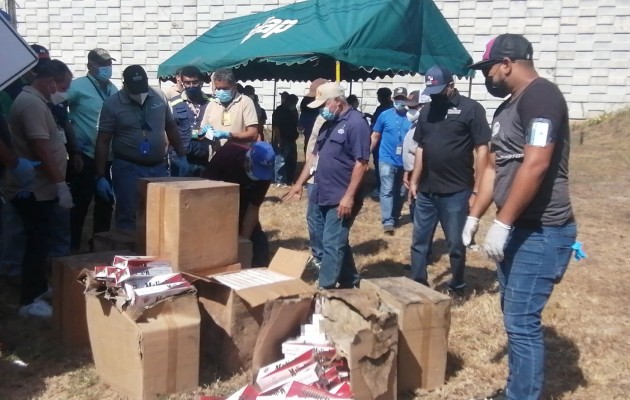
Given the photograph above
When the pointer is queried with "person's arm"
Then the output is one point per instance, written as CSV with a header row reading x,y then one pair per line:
x,y
7,157
485,188
374,139
72,147
297,188
250,220
250,120
41,148
174,138
344,210
481,159
249,134
415,174
101,152
377,130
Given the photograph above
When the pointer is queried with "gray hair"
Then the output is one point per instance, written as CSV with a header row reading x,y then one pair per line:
x,y
224,75
342,99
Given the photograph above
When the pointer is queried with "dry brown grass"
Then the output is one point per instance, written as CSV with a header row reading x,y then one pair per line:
x,y
586,321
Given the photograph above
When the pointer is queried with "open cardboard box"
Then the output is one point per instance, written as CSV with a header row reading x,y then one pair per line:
x,y
147,354
233,311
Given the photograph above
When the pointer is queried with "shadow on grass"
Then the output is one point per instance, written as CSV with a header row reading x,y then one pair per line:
x,y
454,364
562,370
383,269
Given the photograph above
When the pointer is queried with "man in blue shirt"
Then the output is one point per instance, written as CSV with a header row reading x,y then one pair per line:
x,y
339,163
389,130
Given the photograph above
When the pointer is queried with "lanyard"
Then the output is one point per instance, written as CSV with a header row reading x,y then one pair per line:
x,y
100,93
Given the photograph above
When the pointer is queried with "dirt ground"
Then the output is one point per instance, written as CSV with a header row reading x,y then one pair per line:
x,y
586,321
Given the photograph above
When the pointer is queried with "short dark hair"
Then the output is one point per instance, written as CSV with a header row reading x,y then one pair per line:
x,y
191,71
292,99
55,69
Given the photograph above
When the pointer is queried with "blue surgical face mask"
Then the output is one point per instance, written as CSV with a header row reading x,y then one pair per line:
x,y
327,114
224,95
194,93
400,105
104,74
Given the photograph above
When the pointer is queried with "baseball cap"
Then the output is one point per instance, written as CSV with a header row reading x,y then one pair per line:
x,y
400,92
99,55
312,90
436,78
508,45
262,159
41,51
416,98
324,92
135,79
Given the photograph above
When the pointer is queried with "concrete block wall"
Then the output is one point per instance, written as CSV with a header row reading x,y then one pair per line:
x,y
582,45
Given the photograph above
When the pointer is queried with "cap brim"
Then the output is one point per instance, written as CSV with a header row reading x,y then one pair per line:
x,y
437,89
483,64
413,103
400,96
262,173
317,103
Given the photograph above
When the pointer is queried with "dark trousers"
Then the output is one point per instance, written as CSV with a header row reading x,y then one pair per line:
x,y
36,218
83,187
260,248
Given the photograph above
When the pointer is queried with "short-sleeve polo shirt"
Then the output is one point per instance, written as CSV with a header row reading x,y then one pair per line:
x,y
340,144
393,127
234,118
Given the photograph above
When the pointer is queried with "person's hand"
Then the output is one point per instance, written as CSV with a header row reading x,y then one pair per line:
x,y
344,209
181,162
104,189
406,176
24,173
77,163
495,240
64,196
221,134
295,193
207,131
413,191
468,236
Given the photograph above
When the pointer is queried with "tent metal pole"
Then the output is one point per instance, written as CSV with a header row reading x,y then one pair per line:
x,y
350,87
337,71
470,87
275,90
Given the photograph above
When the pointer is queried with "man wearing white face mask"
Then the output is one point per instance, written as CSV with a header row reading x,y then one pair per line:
x,y
230,115
134,121
390,129
85,100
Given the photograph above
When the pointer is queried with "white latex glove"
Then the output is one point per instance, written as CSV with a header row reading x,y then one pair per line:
x,y
495,240
63,193
472,224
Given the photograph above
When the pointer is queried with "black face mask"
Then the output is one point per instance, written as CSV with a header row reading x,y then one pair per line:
x,y
439,99
496,89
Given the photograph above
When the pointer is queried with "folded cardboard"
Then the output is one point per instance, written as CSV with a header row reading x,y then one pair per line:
x,y
194,224
364,331
147,355
424,319
69,322
141,211
121,241
236,328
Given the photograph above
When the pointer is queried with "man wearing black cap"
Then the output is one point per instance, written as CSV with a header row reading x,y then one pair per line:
x,y
388,134
134,121
534,229
446,174
85,100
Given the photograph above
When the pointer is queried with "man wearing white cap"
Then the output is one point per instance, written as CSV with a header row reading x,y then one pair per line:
x,y
341,156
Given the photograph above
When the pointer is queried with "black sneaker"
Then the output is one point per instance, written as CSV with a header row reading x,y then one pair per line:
x,y
459,291
497,395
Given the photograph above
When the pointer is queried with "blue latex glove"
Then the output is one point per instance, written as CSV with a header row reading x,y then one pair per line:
x,y
579,253
24,172
207,130
221,134
181,162
104,189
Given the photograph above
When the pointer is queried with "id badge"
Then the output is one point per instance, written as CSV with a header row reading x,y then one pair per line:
x,y
194,133
398,150
226,119
144,148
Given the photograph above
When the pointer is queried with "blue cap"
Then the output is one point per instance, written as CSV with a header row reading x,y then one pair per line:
x,y
436,78
263,159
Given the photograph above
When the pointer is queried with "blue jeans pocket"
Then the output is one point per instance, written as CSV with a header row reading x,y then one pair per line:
x,y
563,256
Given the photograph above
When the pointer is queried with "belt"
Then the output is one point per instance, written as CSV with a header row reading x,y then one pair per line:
x,y
144,163
533,225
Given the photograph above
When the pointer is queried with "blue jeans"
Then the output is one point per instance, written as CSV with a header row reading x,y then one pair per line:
x,y
535,260
451,211
337,264
392,194
286,163
313,220
125,177
59,232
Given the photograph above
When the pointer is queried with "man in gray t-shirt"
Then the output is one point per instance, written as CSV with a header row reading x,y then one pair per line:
x,y
534,230
138,123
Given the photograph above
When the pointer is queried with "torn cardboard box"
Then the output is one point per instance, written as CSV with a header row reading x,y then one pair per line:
x,y
121,241
424,320
148,354
364,331
234,328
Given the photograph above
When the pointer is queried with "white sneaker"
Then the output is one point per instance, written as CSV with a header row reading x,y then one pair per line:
x,y
38,308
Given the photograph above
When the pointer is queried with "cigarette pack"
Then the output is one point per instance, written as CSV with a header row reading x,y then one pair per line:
x,y
246,393
150,268
306,392
147,296
143,281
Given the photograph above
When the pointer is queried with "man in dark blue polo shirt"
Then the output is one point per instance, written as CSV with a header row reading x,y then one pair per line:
x,y
446,176
339,163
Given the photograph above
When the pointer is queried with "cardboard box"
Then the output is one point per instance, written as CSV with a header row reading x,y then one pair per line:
x,y
424,319
245,319
245,252
364,331
194,224
68,321
115,240
141,212
147,358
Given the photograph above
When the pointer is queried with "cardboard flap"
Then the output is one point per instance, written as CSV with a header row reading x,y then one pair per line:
x,y
258,295
289,262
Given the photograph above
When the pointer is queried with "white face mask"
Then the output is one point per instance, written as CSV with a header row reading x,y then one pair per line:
x,y
58,97
138,98
413,115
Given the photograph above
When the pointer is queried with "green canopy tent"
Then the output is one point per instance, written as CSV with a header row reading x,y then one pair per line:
x,y
305,40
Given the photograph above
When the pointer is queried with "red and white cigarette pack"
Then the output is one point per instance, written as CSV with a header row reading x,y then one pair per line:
x,y
132,261
305,392
144,297
342,390
245,393
150,268
105,272
293,348
144,281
